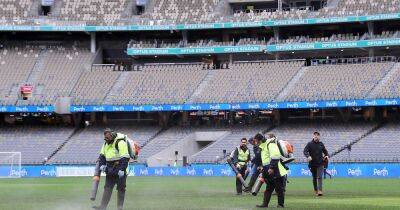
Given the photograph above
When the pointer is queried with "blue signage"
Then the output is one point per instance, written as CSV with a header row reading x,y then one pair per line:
x,y
196,50
44,109
267,48
239,106
226,25
362,170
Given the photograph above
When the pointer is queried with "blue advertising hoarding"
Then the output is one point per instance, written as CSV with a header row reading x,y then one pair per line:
x,y
356,170
239,106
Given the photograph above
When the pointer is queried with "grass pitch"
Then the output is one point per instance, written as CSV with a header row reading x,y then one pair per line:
x,y
177,193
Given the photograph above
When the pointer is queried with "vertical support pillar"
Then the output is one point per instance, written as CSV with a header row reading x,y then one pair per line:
x,y
93,42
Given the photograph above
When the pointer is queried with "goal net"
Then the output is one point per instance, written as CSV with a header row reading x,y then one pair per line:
x,y
10,164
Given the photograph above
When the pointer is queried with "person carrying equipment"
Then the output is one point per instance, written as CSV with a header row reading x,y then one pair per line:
x,y
240,157
273,171
113,160
256,163
316,153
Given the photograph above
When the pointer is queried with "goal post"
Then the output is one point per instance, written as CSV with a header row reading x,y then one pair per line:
x,y
10,164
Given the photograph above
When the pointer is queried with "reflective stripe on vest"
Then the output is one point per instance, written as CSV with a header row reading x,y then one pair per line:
x,y
242,156
271,153
109,152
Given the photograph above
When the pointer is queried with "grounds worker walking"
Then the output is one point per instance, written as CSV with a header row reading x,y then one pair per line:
x,y
240,157
273,170
114,158
256,163
316,152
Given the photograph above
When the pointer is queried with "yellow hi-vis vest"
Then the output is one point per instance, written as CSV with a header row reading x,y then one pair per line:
x,y
270,151
242,156
110,150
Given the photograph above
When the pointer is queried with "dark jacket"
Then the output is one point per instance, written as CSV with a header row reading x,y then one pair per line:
x,y
257,156
317,151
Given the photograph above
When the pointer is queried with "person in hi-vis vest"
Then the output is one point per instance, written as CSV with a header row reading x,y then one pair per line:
x,y
113,160
273,171
240,157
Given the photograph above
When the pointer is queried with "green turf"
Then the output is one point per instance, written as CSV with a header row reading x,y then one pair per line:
x,y
196,193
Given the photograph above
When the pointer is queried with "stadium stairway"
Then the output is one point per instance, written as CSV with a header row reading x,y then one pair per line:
x,y
291,84
377,90
38,67
349,145
117,88
203,84
186,146
75,132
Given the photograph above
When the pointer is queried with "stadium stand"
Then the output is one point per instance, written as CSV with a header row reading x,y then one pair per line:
x,y
56,72
363,7
94,12
182,11
15,12
389,86
21,59
34,142
159,84
85,145
246,82
229,143
337,82
334,135
93,85
163,140
380,146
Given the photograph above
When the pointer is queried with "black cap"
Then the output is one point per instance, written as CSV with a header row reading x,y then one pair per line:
x,y
259,137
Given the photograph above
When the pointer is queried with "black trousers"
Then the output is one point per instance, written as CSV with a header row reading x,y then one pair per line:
x,y
255,172
239,185
317,173
111,181
276,183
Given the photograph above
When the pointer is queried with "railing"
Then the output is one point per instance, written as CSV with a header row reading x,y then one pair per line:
x,y
356,60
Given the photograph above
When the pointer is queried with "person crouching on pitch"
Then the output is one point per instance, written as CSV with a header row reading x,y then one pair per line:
x,y
114,158
273,171
240,157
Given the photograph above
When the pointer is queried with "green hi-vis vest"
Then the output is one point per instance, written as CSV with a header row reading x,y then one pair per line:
x,y
114,152
270,151
242,156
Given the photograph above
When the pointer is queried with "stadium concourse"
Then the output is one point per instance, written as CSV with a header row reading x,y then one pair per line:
x,y
187,80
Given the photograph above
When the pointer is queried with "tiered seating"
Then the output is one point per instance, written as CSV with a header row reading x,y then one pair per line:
x,y
16,64
360,7
390,87
380,146
62,66
295,13
94,85
183,11
163,140
228,143
93,12
249,82
333,135
338,82
84,147
14,12
34,142
160,84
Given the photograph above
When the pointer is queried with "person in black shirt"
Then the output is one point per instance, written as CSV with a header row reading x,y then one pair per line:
x,y
256,161
316,153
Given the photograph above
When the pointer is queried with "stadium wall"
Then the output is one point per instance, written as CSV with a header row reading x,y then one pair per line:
x,y
361,170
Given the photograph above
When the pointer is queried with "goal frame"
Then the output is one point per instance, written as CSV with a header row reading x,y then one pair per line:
x,y
15,164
